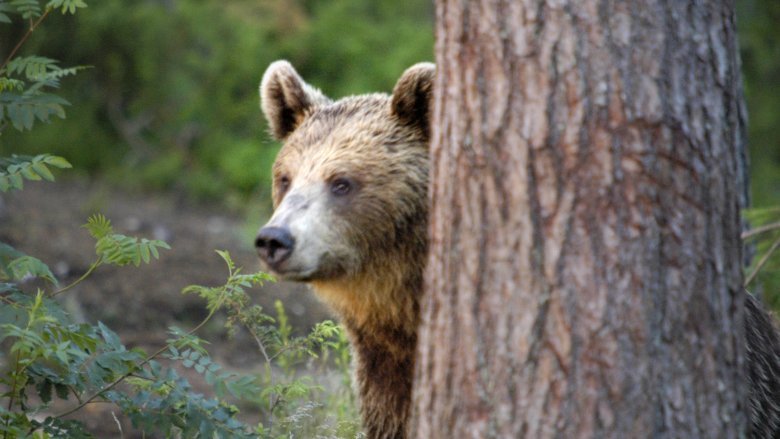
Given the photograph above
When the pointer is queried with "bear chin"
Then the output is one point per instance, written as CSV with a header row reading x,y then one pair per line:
x,y
319,273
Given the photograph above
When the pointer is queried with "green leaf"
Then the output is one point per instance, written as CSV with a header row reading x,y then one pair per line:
x,y
61,390
228,260
56,161
97,225
30,266
27,8
43,171
110,336
44,388
29,173
145,251
16,181
68,6
16,168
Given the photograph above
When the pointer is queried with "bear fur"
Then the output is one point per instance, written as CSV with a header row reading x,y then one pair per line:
x,y
350,199
351,207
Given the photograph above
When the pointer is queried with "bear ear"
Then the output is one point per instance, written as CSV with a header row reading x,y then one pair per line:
x,y
412,96
286,98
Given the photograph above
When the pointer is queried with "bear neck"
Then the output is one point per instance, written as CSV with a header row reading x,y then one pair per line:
x,y
381,318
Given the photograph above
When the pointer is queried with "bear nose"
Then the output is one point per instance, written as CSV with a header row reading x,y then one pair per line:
x,y
274,244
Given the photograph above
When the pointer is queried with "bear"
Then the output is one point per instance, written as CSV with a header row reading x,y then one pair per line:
x,y
350,218
351,211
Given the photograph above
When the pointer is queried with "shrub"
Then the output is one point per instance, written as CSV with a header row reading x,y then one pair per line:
x,y
47,357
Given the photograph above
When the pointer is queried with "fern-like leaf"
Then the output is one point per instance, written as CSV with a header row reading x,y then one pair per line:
x,y
23,100
23,109
228,260
7,255
68,6
33,67
27,8
98,226
17,168
10,83
118,249
4,18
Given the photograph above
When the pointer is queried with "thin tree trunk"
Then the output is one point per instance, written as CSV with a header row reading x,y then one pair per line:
x,y
584,267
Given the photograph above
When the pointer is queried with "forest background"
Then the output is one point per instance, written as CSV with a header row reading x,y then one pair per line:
x,y
170,102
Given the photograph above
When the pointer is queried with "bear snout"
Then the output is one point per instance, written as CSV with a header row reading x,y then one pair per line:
x,y
274,245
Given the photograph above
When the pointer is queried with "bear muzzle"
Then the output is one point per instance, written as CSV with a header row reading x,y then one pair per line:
x,y
274,245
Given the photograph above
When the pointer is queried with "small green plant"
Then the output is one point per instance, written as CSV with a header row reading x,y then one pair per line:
x,y
26,80
46,357
49,355
292,403
16,169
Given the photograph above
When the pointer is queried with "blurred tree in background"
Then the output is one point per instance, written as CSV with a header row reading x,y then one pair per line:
x,y
172,102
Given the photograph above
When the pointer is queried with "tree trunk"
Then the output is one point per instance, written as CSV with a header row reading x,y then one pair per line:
x,y
584,272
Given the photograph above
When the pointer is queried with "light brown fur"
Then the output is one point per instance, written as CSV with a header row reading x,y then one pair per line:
x,y
363,253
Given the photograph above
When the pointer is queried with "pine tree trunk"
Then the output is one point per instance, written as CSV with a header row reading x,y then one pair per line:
x,y
584,271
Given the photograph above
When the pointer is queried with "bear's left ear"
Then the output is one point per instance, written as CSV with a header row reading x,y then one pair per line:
x,y
413,95
286,98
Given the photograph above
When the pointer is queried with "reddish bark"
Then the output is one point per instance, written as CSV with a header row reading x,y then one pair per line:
x,y
584,273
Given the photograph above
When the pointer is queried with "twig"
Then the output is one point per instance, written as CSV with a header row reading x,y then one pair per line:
x,y
259,343
758,230
140,365
118,425
270,375
17,372
30,30
92,268
775,246
13,393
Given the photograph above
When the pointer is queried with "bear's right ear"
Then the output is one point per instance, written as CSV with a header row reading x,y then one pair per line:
x,y
413,94
286,98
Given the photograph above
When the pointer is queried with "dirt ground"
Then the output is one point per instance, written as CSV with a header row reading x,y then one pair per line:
x,y
44,220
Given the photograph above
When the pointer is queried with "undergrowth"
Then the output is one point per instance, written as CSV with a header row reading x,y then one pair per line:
x,y
53,367
48,356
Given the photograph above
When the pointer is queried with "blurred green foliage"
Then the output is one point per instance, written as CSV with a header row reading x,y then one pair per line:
x,y
172,99
759,35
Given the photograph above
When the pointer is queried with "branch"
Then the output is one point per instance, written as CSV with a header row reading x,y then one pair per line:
x,y
92,268
140,365
775,246
758,230
33,26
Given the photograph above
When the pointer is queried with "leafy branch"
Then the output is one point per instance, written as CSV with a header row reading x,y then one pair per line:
x,y
30,10
15,169
26,13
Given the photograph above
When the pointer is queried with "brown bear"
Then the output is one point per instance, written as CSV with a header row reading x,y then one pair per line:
x,y
351,207
350,198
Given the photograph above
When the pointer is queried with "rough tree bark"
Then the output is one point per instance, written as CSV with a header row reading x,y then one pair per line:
x,y
584,271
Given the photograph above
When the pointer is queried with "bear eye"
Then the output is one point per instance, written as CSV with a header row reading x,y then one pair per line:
x,y
340,187
284,183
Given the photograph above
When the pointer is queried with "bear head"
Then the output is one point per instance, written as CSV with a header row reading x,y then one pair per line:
x,y
349,185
